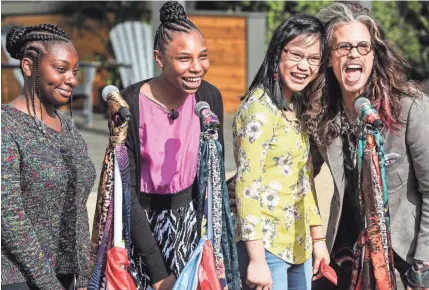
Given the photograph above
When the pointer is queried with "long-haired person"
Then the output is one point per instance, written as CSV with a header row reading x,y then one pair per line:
x,y
46,172
362,62
163,142
278,220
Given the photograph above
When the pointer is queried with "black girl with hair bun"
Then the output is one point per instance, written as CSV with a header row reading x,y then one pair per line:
x,y
163,142
47,174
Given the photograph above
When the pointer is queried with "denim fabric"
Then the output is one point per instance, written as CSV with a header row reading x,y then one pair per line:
x,y
285,276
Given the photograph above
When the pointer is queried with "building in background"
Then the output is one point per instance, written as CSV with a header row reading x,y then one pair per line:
x,y
236,41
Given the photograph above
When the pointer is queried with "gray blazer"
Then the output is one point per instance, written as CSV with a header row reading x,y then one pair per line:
x,y
407,181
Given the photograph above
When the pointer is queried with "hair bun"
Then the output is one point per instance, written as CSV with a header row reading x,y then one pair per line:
x,y
14,40
172,11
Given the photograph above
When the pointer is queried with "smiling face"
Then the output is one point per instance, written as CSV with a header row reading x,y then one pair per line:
x,y
184,61
295,69
57,73
353,70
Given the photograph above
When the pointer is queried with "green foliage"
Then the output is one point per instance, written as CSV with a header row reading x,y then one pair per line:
x,y
276,11
406,25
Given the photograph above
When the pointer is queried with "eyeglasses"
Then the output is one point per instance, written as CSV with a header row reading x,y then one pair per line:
x,y
298,56
344,48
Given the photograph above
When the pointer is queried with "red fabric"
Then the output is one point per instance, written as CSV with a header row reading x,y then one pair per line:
x,y
328,272
207,276
117,277
376,268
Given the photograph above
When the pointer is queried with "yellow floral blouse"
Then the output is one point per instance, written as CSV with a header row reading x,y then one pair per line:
x,y
276,200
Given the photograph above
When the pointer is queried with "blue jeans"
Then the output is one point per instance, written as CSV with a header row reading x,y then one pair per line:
x,y
285,276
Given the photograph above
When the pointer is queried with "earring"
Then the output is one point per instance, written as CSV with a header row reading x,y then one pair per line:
x,y
276,77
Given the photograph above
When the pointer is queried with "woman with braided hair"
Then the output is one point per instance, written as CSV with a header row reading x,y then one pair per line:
x,y
163,142
46,171
279,227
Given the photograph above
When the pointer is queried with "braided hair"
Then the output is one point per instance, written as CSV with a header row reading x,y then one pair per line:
x,y
34,42
268,76
173,19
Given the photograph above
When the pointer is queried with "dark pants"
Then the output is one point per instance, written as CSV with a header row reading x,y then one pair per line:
x,y
344,276
66,280
348,232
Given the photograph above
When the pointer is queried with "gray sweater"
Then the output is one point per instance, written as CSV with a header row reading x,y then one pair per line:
x,y
46,180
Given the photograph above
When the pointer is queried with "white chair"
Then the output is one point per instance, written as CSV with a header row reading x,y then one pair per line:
x,y
132,44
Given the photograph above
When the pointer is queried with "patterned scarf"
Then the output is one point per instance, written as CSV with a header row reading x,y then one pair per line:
x,y
211,168
102,230
373,265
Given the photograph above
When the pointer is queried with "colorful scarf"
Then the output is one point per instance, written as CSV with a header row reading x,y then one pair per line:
x,y
373,264
211,168
102,231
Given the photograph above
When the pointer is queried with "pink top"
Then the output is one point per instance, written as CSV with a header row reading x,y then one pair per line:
x,y
168,148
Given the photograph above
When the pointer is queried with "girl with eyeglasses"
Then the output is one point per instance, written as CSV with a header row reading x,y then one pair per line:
x,y
279,227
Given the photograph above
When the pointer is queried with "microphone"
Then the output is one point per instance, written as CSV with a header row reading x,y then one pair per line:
x,y
210,120
173,115
367,113
121,113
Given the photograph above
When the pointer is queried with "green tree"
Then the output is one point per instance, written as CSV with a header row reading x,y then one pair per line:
x,y
406,23
276,11
407,29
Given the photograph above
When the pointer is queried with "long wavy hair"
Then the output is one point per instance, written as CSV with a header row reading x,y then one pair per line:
x,y
386,85
302,25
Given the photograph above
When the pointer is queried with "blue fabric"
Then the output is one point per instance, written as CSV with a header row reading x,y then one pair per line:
x,y
121,153
188,279
229,249
285,276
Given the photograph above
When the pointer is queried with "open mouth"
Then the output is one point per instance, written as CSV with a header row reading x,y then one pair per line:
x,y
193,80
192,83
353,73
298,77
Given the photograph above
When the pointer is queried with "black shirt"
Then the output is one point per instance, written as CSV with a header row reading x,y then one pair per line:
x,y
350,222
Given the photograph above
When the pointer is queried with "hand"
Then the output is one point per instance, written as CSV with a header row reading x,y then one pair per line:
x,y
231,191
166,283
320,252
259,275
